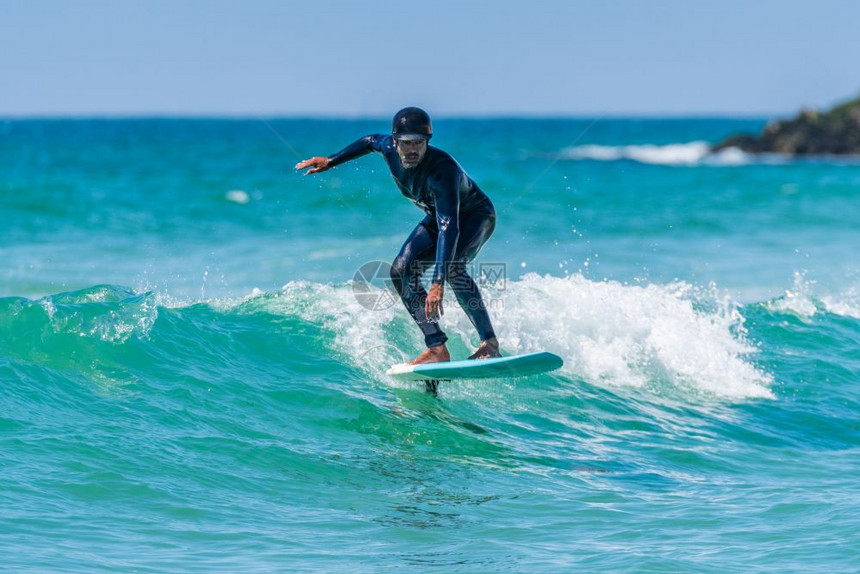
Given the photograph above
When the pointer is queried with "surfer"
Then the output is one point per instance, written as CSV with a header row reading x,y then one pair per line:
x,y
459,219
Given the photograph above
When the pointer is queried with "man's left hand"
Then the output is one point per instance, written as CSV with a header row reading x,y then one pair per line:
x,y
433,304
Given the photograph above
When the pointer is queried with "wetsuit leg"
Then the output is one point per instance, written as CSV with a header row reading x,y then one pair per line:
x,y
416,255
475,230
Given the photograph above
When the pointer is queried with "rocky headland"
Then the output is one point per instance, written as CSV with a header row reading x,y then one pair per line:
x,y
836,131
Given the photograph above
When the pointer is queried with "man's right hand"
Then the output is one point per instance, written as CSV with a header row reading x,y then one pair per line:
x,y
317,164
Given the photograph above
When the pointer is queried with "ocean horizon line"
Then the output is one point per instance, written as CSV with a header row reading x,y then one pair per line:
x,y
525,116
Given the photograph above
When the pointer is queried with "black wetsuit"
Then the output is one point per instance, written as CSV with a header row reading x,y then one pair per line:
x,y
460,219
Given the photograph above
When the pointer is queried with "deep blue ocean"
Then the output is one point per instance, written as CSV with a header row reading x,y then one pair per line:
x,y
189,380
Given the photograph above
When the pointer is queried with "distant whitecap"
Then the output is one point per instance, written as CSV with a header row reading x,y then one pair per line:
x,y
238,196
681,154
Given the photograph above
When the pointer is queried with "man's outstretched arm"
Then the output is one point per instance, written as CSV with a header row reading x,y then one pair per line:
x,y
354,150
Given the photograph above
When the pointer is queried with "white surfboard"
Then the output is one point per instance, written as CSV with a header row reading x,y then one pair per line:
x,y
502,367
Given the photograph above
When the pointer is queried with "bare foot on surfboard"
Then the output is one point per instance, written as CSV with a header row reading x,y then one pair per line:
x,y
432,355
489,349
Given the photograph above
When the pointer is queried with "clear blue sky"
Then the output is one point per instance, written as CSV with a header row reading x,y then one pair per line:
x,y
454,57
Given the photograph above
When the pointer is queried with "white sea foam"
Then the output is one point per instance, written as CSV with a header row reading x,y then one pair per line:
x,y
798,300
805,300
608,333
845,304
680,154
238,196
359,331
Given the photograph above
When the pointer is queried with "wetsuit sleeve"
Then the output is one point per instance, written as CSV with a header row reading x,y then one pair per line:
x,y
445,188
356,149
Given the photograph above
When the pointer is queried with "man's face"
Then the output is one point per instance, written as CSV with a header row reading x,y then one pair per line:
x,y
411,152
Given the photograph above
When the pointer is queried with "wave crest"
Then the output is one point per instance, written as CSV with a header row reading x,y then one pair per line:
x,y
608,333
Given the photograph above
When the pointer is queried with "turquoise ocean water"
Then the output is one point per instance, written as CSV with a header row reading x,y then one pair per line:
x,y
188,381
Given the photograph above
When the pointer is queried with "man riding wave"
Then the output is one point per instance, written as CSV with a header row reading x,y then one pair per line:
x,y
459,220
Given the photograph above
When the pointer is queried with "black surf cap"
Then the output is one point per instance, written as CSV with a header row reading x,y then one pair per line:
x,y
411,124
